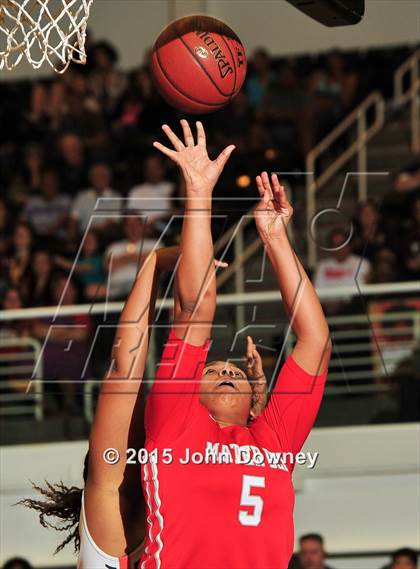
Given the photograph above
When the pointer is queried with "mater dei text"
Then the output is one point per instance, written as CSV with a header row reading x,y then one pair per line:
x,y
216,453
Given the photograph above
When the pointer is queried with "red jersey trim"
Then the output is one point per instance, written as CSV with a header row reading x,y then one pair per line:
x,y
153,550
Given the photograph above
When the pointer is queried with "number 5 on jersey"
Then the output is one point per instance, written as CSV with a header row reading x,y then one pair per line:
x,y
247,499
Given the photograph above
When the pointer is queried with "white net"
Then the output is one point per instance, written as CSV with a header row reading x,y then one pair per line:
x,y
52,31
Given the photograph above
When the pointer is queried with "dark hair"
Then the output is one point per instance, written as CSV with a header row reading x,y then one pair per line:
x,y
23,223
369,202
107,48
405,552
49,168
6,291
11,563
59,275
336,231
63,504
314,536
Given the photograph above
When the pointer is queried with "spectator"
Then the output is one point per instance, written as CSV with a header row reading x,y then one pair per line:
x,y
17,563
47,213
13,330
398,203
18,262
42,269
6,226
340,269
123,257
384,268
404,558
407,180
6,229
311,552
66,351
106,80
88,202
409,244
27,179
33,160
259,78
285,109
89,266
76,83
71,163
155,111
153,197
344,81
82,121
369,235
12,300
332,89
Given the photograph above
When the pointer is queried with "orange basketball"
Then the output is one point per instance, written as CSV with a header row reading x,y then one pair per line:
x,y
198,64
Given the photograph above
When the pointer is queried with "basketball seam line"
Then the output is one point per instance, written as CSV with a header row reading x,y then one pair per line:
x,y
181,91
207,73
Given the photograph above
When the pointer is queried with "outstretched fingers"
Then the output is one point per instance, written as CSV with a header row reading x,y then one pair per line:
x,y
188,136
201,134
177,143
249,350
165,150
279,195
266,184
224,156
264,194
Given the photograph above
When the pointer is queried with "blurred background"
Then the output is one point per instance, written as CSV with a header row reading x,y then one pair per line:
x,y
336,112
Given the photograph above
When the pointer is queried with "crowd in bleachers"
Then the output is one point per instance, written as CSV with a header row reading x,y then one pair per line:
x,y
311,555
69,140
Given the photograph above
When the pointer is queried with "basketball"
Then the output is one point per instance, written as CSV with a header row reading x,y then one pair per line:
x,y
198,64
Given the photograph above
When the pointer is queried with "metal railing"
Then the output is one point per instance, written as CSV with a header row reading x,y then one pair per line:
x,y
367,353
410,67
358,117
222,300
18,358
357,351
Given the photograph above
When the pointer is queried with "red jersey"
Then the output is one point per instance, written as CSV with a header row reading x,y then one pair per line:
x,y
217,498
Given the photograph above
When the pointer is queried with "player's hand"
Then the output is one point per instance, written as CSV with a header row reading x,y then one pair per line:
x,y
200,173
274,211
256,376
167,259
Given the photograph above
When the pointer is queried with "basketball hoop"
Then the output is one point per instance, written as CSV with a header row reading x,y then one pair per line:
x,y
52,31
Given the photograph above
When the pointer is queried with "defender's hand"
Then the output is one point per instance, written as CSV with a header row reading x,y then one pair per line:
x,y
274,211
200,173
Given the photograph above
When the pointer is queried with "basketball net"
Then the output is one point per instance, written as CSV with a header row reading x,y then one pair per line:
x,y
52,31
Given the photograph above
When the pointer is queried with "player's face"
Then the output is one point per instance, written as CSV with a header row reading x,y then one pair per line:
x,y
226,392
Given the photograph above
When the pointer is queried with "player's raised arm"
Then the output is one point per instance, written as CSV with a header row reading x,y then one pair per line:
x,y
195,279
113,502
297,394
313,346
